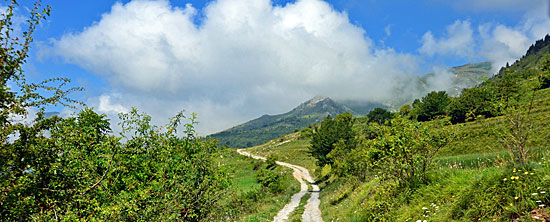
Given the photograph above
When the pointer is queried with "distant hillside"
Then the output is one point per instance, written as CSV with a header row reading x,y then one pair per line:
x,y
268,127
465,76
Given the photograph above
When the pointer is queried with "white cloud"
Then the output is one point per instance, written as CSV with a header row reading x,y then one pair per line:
x,y
387,30
458,40
502,44
246,58
106,106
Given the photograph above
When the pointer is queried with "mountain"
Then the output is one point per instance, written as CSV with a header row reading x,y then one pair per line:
x,y
465,76
268,127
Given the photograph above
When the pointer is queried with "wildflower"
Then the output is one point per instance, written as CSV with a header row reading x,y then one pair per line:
x,y
543,192
532,173
534,194
515,198
526,173
514,170
542,205
505,179
536,217
511,204
538,201
424,208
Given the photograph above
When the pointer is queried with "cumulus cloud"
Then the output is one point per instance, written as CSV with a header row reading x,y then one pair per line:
x,y
494,42
246,58
458,40
502,44
249,57
106,106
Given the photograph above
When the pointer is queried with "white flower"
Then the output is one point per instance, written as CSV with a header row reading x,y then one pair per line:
x,y
542,205
543,192
534,194
424,208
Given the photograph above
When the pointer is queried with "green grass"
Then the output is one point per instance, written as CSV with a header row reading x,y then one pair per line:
x,y
454,194
291,149
296,215
247,200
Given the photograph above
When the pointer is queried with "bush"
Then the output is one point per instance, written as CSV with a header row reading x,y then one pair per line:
x,y
329,133
405,150
431,106
379,116
470,104
269,179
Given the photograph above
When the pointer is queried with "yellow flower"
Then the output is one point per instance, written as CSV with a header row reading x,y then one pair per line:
x,y
514,170
511,204
526,173
532,173
504,179
515,198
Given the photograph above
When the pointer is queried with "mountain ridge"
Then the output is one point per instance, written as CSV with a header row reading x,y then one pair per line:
x,y
268,127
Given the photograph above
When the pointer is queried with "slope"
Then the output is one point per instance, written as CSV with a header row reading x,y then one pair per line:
x,y
269,127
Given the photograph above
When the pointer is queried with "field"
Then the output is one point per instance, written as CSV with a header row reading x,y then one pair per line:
x,y
247,200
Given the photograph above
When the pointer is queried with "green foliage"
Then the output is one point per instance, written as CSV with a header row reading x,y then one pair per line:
x,y
431,106
329,133
379,116
270,179
13,54
544,76
46,176
405,110
471,104
74,168
405,150
503,194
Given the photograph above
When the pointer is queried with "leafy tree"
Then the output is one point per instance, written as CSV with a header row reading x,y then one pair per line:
x,y
431,105
405,110
379,116
544,76
405,150
506,87
473,102
74,168
330,132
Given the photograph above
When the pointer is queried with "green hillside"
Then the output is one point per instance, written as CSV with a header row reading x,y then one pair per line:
x,y
269,127
472,178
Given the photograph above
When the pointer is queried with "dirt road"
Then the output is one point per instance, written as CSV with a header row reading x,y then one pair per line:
x,y
311,212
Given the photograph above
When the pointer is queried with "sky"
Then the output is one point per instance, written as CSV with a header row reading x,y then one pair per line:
x,y
231,61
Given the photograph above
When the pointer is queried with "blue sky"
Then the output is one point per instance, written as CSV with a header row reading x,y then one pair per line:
x,y
234,60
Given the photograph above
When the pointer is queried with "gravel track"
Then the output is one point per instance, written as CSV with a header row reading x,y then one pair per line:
x,y
312,213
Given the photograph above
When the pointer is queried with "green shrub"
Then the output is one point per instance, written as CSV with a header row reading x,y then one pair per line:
x,y
431,106
328,134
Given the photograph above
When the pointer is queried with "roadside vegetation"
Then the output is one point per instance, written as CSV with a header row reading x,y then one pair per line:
x,y
481,156
259,189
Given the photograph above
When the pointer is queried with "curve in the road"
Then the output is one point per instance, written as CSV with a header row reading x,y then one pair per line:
x,y
312,213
